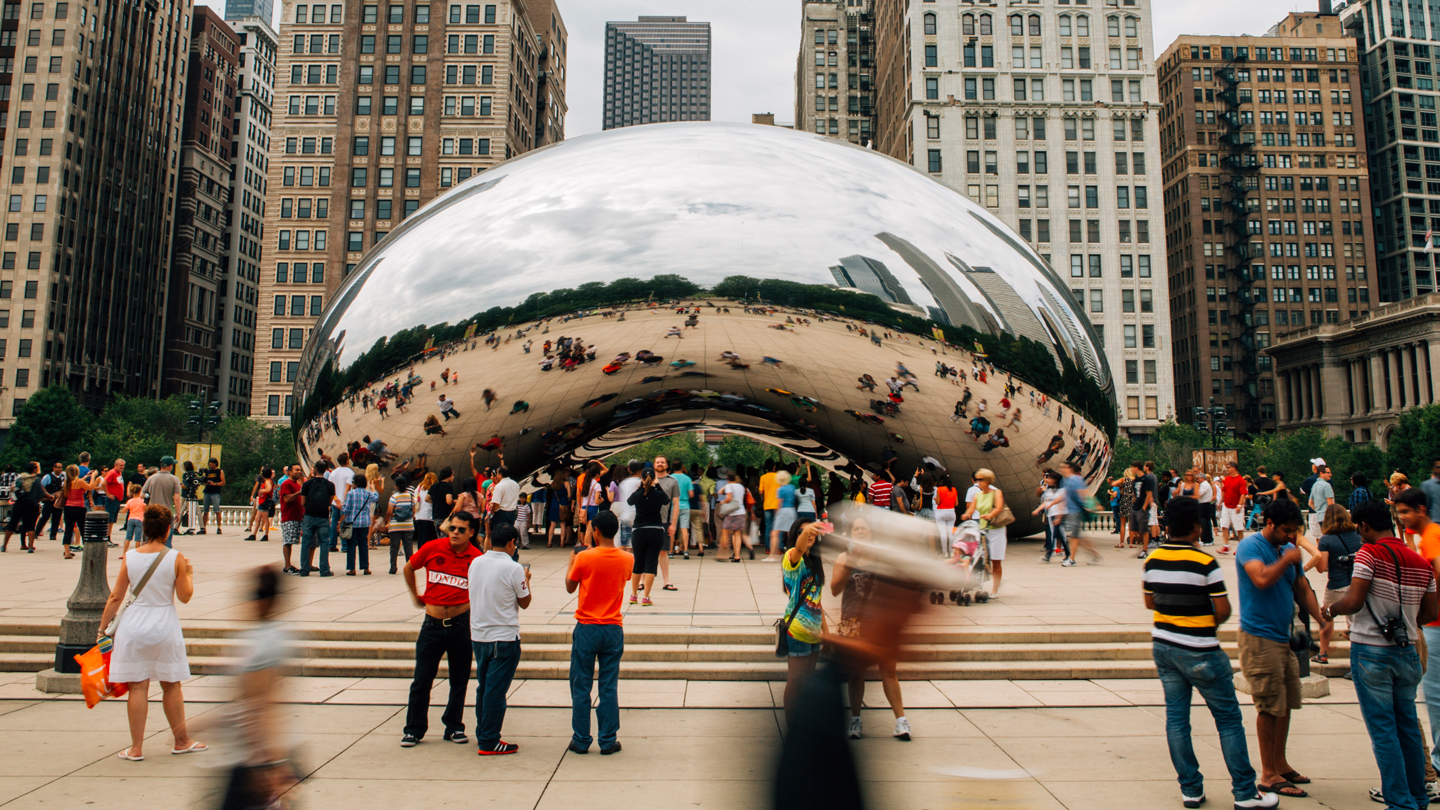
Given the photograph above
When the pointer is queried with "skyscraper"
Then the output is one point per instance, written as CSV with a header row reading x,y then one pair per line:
x,y
239,294
656,69
237,10
835,71
372,122
1267,205
198,264
1046,115
1402,136
91,142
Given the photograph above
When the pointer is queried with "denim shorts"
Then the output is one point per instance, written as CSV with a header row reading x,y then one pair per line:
x,y
800,649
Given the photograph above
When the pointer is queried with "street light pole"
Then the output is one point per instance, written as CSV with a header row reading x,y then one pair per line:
x,y
81,624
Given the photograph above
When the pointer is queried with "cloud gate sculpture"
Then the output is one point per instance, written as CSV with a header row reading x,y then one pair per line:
x,y
609,289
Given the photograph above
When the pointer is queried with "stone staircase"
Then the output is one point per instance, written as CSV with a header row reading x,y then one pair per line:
x,y
700,654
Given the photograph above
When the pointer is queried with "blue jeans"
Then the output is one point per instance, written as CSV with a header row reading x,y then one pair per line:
x,y
589,642
495,663
1210,673
1055,539
359,542
1431,684
769,524
1385,681
335,515
312,538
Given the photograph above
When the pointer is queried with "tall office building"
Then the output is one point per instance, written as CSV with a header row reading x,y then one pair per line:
x,y
200,248
1045,114
239,292
91,146
1267,205
656,69
379,109
1400,55
835,71
240,10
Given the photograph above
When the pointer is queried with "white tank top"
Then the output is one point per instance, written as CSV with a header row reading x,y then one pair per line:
x,y
160,590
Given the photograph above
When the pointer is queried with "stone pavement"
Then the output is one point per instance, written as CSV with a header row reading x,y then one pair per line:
x,y
58,754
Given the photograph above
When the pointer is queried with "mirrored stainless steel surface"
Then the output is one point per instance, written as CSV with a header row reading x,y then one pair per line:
x,y
706,202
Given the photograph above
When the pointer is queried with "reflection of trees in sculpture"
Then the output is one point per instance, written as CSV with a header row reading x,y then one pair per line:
x,y
1027,359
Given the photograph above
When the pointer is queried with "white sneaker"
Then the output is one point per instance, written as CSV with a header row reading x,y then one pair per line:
x,y
1067,563
1432,789
1192,802
1260,800
855,726
902,729
1377,796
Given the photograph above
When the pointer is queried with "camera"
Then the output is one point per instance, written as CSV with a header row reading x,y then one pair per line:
x,y
1395,631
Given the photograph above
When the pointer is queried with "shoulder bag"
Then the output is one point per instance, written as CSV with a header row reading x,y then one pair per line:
x,y
135,593
782,626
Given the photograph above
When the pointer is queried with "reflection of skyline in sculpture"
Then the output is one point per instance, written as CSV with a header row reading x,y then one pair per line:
x,y
872,276
957,307
716,206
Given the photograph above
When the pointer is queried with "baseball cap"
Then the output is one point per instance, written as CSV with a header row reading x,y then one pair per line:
x,y
167,461
1318,462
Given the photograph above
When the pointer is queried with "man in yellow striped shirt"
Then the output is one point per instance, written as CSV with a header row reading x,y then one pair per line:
x,y
1186,589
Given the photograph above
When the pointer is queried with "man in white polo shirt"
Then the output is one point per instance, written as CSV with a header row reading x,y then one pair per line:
x,y
499,590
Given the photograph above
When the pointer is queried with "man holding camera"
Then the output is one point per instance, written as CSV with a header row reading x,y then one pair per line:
x,y
1270,582
1391,594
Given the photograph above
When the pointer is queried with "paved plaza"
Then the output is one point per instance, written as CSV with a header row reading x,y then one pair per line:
x,y
1075,744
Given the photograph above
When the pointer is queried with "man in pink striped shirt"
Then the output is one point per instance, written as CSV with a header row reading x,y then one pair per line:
x,y
1392,593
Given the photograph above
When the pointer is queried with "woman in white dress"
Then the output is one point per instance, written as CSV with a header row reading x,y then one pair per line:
x,y
148,642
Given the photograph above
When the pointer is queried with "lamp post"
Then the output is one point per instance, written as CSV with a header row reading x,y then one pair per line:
x,y
204,416
1211,420
82,617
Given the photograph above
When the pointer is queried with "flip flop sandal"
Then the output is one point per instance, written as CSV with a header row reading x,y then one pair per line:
x,y
1294,777
195,747
125,755
670,588
1284,788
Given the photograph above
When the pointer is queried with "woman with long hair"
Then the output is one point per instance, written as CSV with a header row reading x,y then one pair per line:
x,y
149,644
76,490
264,503
1127,505
378,523
803,578
947,497
559,498
985,508
855,585
425,511
1339,542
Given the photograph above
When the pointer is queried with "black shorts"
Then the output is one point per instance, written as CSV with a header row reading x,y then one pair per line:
x,y
647,542
23,516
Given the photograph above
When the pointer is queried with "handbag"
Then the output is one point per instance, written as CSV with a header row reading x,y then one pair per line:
x,y
782,626
1005,518
134,594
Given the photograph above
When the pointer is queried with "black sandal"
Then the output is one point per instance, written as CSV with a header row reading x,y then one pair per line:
x,y
1318,659
670,588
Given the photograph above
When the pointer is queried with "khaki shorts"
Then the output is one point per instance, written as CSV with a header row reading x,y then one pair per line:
x,y
1273,673
1333,597
697,522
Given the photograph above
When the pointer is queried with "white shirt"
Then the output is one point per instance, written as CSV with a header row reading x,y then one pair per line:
x,y
505,494
970,495
624,512
343,478
497,583
424,507
1204,493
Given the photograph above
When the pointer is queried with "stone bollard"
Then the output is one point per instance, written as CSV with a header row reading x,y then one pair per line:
x,y
82,619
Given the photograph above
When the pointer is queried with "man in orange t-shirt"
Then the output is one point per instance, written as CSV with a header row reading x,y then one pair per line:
x,y
1413,510
600,575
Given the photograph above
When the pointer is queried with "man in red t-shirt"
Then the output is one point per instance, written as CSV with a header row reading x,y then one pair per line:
x,y
292,513
600,575
114,493
445,631
1232,512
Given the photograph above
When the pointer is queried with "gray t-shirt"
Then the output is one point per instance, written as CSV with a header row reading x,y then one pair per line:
x,y
1319,493
671,488
160,489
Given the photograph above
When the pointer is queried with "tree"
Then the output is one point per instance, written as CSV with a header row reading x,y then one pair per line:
x,y
1415,440
736,450
681,449
48,429
250,445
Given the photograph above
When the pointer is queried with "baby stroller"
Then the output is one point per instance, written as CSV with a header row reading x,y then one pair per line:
x,y
970,541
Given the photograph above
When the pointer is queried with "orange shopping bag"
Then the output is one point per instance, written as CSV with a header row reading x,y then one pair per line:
x,y
94,670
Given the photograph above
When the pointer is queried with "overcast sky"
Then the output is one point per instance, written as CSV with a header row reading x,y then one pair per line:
x,y
755,43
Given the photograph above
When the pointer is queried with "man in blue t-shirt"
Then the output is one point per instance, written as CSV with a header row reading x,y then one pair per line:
x,y
1270,582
